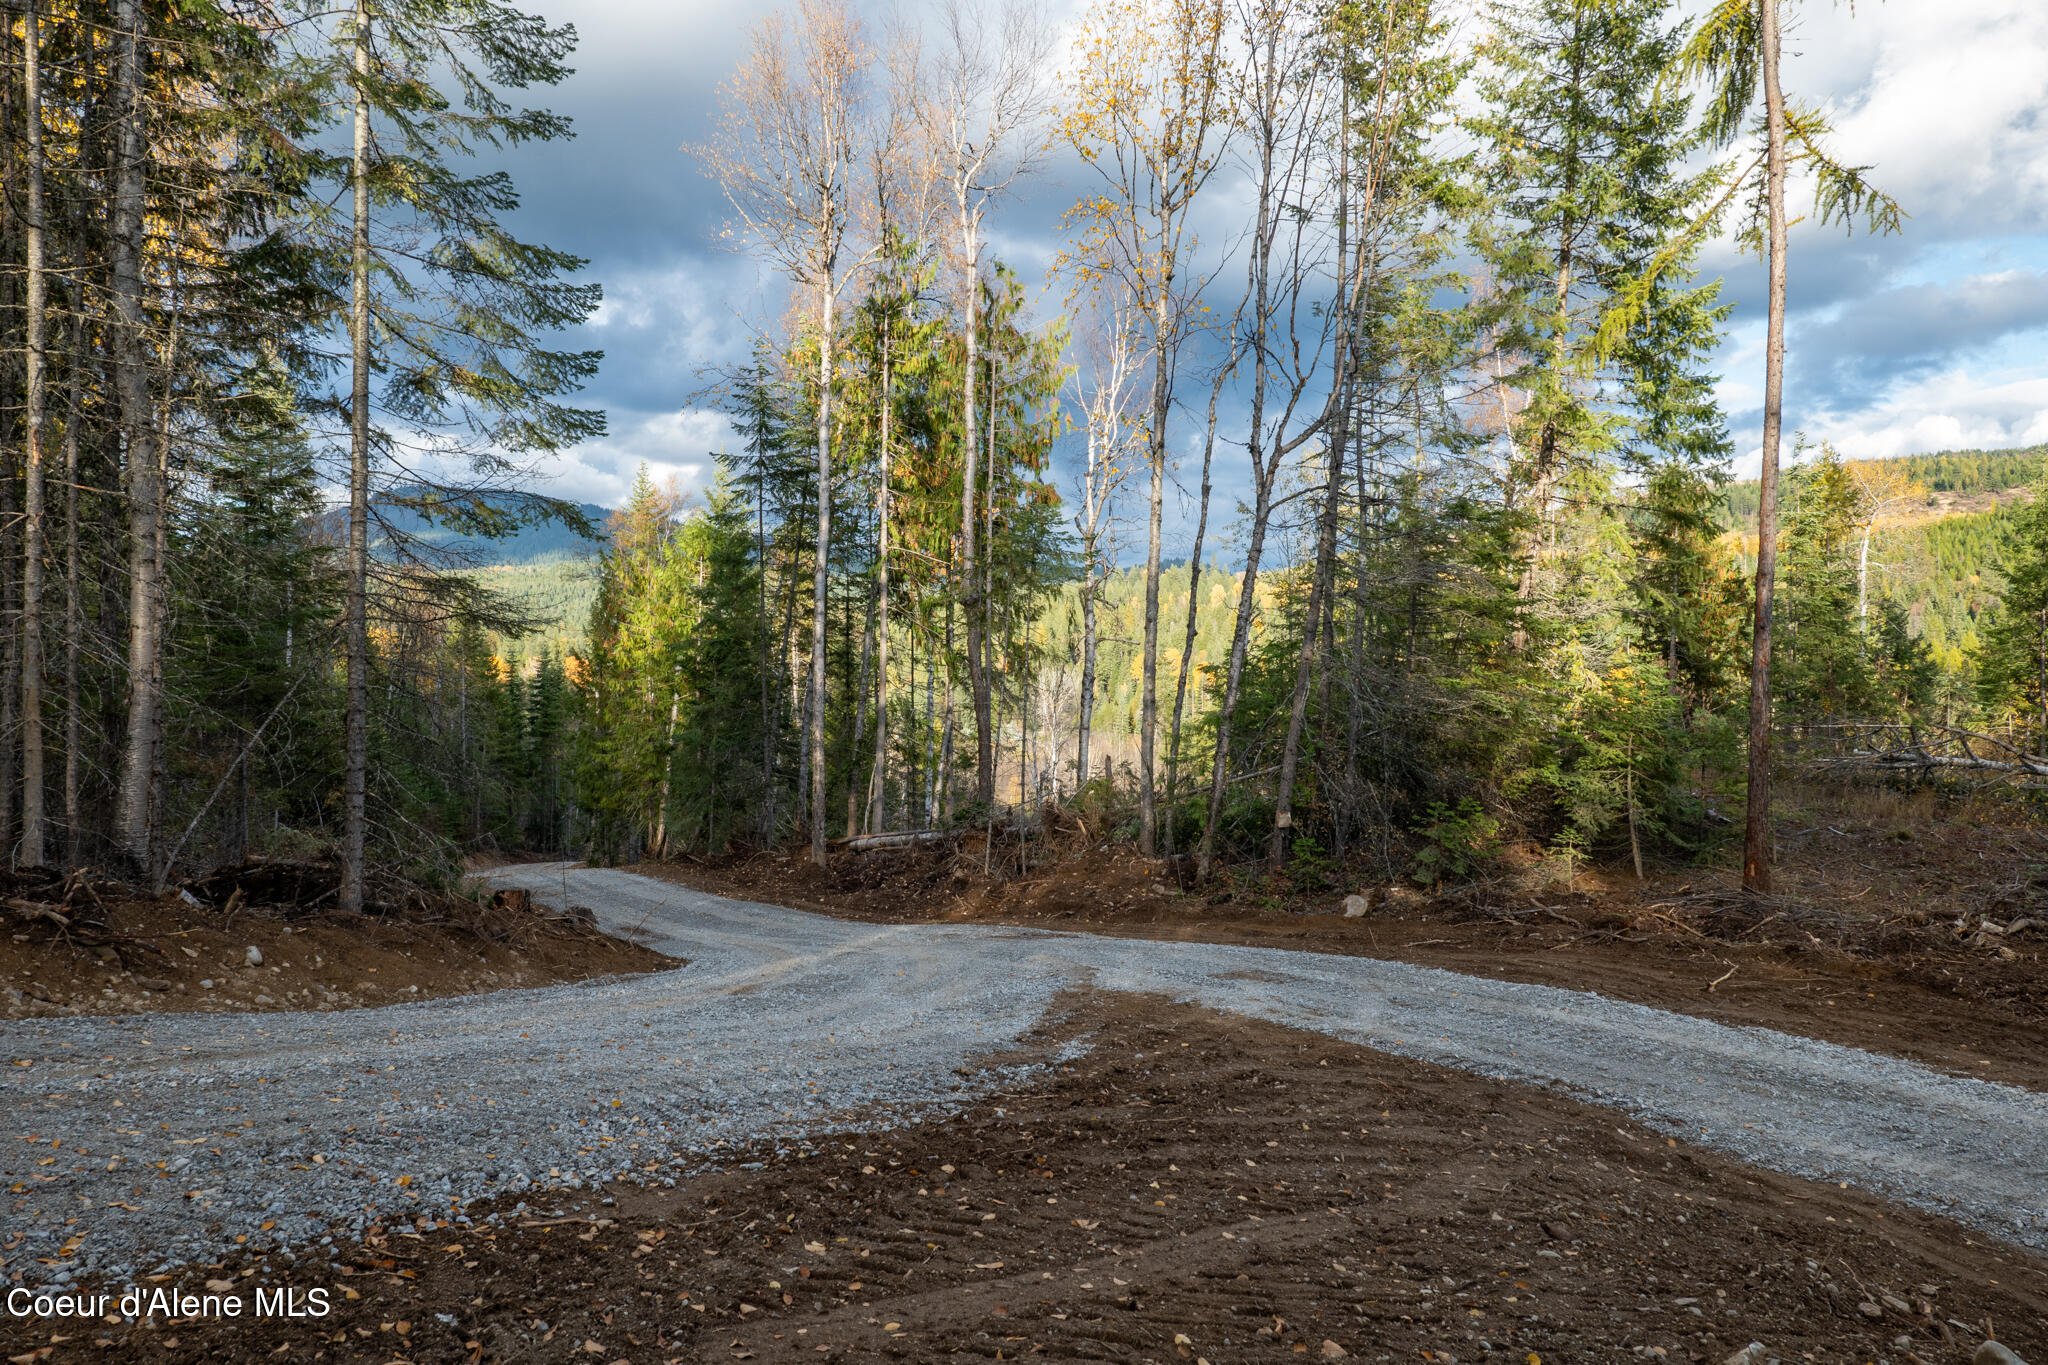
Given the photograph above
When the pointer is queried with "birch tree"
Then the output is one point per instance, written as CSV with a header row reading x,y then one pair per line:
x,y
1146,110
1284,92
1886,491
984,98
790,141
1104,388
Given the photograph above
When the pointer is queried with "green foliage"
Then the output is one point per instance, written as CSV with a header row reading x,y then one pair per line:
x,y
1821,670
1457,842
1624,762
723,723
2012,660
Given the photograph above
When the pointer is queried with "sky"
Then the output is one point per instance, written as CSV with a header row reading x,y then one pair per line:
x,y
1935,338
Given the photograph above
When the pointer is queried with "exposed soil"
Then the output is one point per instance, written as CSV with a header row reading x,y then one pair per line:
x,y
78,947
1877,937
1196,1187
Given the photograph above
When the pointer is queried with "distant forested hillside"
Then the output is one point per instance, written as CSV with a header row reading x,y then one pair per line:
x,y
550,569
1950,471
1938,553
538,544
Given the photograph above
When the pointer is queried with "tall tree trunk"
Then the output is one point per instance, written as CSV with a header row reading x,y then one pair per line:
x,y
668,768
1148,700
159,781
1087,700
74,614
855,792
355,788
820,571
132,831
878,780
32,525
769,724
946,730
990,718
1187,647
1756,836
1297,713
1863,582
970,513
1265,462
801,693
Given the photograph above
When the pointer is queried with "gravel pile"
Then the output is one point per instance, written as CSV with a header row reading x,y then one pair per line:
x,y
140,1142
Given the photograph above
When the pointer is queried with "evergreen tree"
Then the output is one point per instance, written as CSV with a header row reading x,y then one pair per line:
x,y
2012,660
629,676
1824,667
719,730
446,307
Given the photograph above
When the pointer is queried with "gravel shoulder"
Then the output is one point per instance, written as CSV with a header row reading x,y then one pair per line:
x,y
141,1142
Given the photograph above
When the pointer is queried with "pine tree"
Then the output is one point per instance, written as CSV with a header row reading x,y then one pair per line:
x,y
719,729
1824,667
446,307
2012,659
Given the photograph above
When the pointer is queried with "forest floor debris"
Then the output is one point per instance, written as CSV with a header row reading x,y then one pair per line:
x,y
1193,1186
1901,924
266,936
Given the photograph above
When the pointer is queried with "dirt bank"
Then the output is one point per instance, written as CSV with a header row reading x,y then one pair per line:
x,y
80,947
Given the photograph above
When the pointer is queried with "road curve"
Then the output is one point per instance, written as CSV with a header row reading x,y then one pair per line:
x,y
140,1141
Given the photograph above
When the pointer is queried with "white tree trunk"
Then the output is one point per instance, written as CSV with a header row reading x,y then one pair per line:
x,y
32,549
356,643
821,570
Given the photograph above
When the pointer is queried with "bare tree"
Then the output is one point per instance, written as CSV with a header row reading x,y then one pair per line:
x,y
1146,109
985,96
1104,390
1886,491
789,144
36,327
1283,95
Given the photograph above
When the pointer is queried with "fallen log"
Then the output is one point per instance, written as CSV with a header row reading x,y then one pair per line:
x,y
864,843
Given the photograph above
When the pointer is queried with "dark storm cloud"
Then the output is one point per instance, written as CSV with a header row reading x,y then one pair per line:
x,y
625,195
1915,330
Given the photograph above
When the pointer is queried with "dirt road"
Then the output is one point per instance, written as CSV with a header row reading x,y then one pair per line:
x,y
147,1141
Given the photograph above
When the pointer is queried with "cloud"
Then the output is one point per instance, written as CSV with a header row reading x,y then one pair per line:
x,y
1913,329
1952,410
1920,340
673,445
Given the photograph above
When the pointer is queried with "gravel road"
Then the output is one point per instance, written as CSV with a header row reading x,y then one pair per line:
x,y
152,1140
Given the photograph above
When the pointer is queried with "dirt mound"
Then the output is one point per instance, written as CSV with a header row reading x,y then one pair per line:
x,y
266,936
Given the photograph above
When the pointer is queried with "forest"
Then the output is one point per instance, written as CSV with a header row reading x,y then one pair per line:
x,y
1398,325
